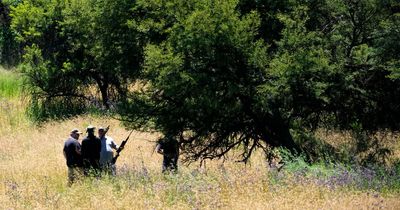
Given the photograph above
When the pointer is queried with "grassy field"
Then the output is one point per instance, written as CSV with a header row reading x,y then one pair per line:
x,y
33,175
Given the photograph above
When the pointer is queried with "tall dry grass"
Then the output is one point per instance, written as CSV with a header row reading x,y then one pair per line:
x,y
12,103
33,175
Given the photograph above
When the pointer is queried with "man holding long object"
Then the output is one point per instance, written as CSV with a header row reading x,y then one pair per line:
x,y
106,152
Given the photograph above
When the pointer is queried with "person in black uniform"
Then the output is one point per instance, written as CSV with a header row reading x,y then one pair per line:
x,y
91,147
168,146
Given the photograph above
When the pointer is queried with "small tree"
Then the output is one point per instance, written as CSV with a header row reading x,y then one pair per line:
x,y
74,49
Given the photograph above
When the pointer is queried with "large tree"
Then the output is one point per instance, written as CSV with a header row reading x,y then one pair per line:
x,y
202,83
210,77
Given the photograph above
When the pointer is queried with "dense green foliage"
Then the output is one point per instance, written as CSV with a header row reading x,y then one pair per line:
x,y
216,63
10,51
214,81
219,74
76,50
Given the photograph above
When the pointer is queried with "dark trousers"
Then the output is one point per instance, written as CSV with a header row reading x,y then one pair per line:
x,y
170,163
109,169
91,167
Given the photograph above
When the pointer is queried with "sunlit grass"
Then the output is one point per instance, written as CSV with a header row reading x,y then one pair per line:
x,y
10,84
12,103
33,175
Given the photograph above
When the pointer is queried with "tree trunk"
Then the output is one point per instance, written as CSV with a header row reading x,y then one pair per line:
x,y
103,87
273,129
280,134
104,94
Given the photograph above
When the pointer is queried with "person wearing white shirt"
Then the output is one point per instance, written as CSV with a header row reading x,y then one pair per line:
x,y
107,153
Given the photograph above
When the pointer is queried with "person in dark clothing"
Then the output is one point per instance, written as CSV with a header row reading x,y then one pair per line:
x,y
72,154
91,147
168,146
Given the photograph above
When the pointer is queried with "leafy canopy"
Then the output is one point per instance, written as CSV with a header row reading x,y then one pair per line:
x,y
77,54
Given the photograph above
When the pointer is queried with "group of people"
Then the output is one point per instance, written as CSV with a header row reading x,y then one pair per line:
x,y
95,155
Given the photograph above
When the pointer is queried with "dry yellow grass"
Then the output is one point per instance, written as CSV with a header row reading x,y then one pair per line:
x,y
33,176
386,139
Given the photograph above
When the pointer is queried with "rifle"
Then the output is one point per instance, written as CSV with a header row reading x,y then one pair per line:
x,y
120,148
